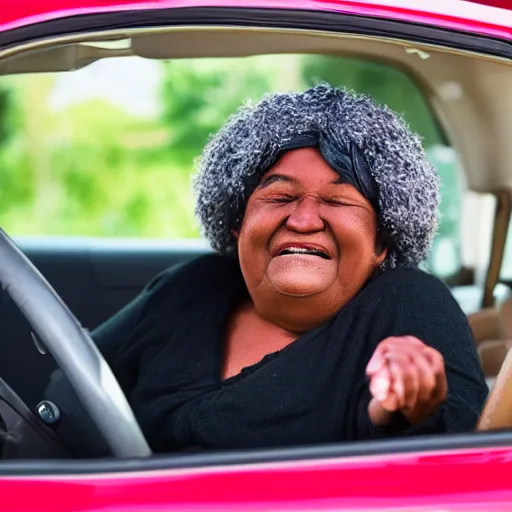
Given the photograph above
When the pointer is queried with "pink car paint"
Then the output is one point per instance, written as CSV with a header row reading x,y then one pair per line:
x,y
476,479
465,480
470,17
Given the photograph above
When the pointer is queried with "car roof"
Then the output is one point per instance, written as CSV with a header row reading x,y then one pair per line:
x,y
476,16
503,4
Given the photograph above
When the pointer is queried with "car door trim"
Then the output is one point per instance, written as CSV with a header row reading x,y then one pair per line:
x,y
335,22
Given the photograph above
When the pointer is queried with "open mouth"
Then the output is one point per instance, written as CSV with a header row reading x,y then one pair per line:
x,y
305,251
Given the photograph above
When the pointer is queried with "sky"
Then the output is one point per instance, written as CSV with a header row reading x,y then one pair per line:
x,y
130,83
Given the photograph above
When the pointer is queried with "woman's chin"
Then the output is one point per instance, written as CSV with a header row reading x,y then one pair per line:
x,y
299,276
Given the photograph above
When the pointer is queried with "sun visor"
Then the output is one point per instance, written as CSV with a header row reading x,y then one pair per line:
x,y
199,42
56,59
223,42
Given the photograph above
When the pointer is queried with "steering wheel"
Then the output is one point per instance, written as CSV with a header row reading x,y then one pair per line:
x,y
74,351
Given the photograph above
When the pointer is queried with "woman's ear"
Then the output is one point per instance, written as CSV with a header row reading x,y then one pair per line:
x,y
235,233
383,242
381,257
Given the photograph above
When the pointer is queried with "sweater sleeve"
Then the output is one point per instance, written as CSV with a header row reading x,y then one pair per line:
x,y
422,306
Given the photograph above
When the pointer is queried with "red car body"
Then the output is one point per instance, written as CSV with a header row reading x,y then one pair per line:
x,y
474,473
462,480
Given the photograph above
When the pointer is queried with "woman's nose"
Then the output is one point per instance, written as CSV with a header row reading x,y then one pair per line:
x,y
305,216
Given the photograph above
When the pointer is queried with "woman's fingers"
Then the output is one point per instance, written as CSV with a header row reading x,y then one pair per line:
x,y
439,372
421,365
379,415
380,384
392,380
381,390
407,375
377,361
405,378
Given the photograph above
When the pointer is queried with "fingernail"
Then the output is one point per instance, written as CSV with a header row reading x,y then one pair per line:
x,y
381,388
372,366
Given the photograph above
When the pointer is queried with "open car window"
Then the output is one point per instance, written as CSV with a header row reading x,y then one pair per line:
x,y
108,151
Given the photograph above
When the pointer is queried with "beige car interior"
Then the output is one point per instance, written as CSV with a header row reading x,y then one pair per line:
x,y
492,328
470,94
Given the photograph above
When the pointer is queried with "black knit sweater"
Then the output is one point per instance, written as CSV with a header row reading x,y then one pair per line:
x,y
166,349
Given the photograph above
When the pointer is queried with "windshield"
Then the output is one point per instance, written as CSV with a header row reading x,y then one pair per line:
x,y
108,151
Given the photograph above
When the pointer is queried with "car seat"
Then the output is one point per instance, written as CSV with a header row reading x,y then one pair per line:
x,y
492,329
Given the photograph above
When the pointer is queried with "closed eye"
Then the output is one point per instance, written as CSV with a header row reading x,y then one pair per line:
x,y
282,199
336,202
343,202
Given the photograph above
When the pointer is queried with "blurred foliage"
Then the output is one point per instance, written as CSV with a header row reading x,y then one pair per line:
x,y
198,97
387,85
7,111
93,169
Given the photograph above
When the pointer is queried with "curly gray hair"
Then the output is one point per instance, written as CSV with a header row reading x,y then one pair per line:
x,y
233,162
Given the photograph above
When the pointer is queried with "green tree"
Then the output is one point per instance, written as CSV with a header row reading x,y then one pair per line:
x,y
387,85
22,135
8,125
198,96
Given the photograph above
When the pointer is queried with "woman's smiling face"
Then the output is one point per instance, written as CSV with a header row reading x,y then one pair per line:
x,y
307,242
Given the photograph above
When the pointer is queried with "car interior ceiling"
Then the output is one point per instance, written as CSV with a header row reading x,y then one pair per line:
x,y
460,85
92,283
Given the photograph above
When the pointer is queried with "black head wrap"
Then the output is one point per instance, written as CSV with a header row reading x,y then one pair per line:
x,y
348,162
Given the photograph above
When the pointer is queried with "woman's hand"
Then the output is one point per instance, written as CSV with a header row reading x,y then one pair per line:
x,y
406,376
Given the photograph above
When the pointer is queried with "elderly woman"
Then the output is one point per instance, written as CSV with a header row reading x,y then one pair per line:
x,y
312,323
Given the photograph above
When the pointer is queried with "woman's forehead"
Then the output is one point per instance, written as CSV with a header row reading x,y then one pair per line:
x,y
302,166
